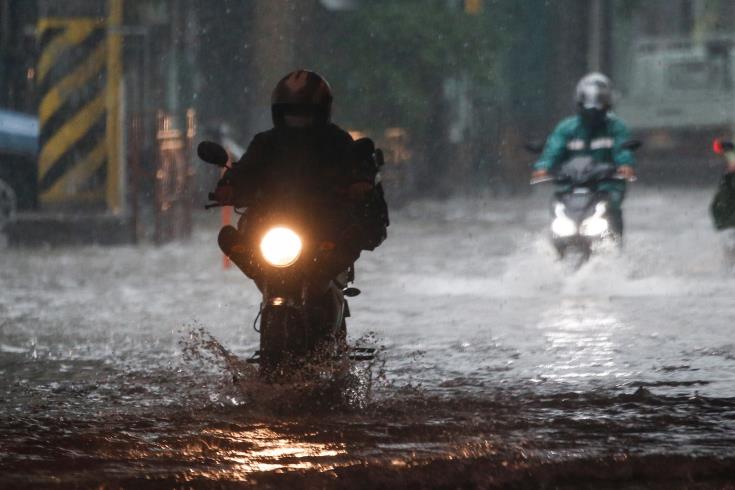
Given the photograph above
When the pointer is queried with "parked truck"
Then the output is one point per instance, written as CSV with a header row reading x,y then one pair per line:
x,y
679,97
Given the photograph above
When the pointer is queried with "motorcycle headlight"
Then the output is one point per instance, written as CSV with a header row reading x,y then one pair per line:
x,y
596,224
593,226
281,247
562,226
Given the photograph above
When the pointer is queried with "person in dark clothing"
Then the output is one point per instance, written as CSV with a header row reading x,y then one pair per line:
x,y
723,204
306,163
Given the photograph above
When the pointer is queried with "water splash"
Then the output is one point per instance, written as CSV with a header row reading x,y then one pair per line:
x,y
324,383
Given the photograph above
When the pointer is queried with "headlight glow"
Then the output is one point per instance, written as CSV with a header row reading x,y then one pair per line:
x,y
596,224
562,226
593,226
281,247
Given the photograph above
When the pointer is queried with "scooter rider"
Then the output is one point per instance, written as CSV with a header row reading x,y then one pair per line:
x,y
595,131
305,157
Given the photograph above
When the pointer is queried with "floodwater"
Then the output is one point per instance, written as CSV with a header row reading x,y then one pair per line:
x,y
498,367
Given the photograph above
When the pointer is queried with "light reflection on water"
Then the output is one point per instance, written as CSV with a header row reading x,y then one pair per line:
x,y
267,450
583,342
637,351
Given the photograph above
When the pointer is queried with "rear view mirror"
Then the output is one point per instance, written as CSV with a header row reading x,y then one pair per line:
x,y
722,146
211,152
535,147
632,145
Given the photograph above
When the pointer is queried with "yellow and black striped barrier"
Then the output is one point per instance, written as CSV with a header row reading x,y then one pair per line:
x,y
78,77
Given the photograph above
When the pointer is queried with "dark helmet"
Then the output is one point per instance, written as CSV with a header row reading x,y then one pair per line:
x,y
303,94
594,98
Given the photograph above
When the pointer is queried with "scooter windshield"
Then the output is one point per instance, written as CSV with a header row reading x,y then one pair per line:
x,y
584,169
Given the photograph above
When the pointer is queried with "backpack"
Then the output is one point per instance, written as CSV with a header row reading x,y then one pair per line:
x,y
372,212
723,205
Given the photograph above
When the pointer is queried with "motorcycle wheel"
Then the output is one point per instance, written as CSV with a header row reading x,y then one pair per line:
x,y
575,257
289,339
281,341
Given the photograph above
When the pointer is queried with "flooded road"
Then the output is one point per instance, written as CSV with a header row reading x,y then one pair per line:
x,y
123,367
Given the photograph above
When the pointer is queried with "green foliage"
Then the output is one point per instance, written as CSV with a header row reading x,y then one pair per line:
x,y
391,57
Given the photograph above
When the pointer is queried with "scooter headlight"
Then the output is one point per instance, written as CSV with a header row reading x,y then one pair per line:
x,y
562,226
281,247
596,224
594,227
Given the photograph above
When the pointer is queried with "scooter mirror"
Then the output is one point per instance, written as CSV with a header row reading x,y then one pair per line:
x,y
722,146
535,147
632,145
541,180
211,152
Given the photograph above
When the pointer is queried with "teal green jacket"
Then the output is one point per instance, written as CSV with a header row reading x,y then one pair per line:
x,y
571,138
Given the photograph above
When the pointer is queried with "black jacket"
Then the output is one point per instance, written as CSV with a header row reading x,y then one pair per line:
x,y
303,165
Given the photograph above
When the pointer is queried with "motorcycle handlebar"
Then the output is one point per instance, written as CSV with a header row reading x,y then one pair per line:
x,y
551,178
541,180
213,197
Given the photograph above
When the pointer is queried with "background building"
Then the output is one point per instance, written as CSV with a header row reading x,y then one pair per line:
x,y
450,88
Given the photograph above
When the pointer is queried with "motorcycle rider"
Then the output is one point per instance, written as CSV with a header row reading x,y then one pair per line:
x,y
596,132
723,204
305,157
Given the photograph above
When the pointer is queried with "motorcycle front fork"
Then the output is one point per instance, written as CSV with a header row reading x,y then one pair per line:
x,y
321,310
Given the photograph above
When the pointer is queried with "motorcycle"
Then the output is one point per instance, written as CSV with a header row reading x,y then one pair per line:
x,y
581,215
291,256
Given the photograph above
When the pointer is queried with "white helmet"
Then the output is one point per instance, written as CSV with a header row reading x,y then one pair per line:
x,y
594,91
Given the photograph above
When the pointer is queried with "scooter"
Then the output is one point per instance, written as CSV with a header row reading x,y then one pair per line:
x,y
581,215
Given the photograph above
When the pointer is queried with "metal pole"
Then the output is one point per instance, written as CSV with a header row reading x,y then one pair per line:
x,y
115,168
6,68
5,21
172,88
594,38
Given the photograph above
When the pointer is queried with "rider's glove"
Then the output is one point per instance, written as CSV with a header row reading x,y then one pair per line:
x,y
626,172
224,194
540,174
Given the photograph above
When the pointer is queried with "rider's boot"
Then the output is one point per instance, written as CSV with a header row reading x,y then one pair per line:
x,y
615,217
231,243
